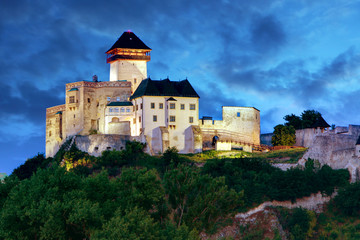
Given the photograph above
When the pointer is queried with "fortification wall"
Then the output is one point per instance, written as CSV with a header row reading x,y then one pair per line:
x,y
266,139
335,150
97,143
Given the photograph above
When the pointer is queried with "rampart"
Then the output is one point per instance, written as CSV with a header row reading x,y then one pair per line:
x,y
97,143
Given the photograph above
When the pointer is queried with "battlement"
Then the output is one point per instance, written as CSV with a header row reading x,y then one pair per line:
x,y
124,84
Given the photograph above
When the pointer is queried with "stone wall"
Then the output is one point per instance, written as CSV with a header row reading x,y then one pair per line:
x,y
335,150
266,139
97,143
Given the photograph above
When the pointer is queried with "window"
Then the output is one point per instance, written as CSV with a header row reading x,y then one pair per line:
x,y
74,115
172,118
139,119
161,105
154,118
137,107
72,99
172,105
140,105
49,133
135,80
122,109
191,119
134,120
182,106
118,99
238,114
152,105
116,109
127,110
88,100
192,106
110,109
108,99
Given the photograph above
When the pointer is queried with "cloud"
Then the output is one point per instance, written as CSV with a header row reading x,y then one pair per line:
x,y
267,34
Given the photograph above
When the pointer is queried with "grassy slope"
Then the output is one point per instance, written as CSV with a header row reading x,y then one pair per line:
x,y
279,156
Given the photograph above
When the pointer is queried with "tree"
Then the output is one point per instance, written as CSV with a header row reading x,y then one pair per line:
x,y
309,117
306,119
198,200
283,136
293,120
31,165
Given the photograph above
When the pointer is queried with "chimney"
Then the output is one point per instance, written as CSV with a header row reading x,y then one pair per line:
x,y
95,78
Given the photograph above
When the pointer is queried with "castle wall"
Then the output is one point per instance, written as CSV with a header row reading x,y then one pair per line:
x,y
55,125
97,143
240,125
335,150
266,139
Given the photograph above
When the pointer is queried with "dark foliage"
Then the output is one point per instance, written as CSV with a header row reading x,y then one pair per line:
x,y
31,165
348,199
260,181
306,119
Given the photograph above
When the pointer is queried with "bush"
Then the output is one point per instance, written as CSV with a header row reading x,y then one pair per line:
x,y
348,199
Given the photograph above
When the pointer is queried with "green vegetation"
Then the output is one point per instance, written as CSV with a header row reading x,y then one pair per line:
x,y
283,136
291,155
131,195
306,119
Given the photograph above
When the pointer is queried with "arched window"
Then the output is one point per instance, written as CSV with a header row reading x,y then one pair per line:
x,y
115,119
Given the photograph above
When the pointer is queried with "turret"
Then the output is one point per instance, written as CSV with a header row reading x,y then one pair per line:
x,y
128,59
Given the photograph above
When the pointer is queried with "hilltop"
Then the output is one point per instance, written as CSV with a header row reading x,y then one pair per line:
x,y
129,194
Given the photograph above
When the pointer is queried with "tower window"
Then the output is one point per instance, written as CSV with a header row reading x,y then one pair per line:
x,y
191,119
192,107
172,105
137,107
72,99
182,106
154,118
140,105
135,80
88,100
238,114
74,115
152,105
172,118
161,105
139,119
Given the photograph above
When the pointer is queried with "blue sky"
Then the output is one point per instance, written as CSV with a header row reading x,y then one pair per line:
x,y
281,57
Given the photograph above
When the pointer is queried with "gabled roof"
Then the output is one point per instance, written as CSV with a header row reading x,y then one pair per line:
x,y
165,87
120,104
320,123
129,40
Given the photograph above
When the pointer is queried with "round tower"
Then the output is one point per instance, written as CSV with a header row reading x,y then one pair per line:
x,y
128,59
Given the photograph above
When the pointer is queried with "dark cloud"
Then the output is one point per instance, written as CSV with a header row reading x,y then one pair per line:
x,y
267,34
212,98
28,102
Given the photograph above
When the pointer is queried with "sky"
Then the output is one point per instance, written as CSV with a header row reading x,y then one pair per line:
x,y
281,57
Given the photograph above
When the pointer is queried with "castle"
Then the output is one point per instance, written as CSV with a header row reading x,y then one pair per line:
x,y
103,115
